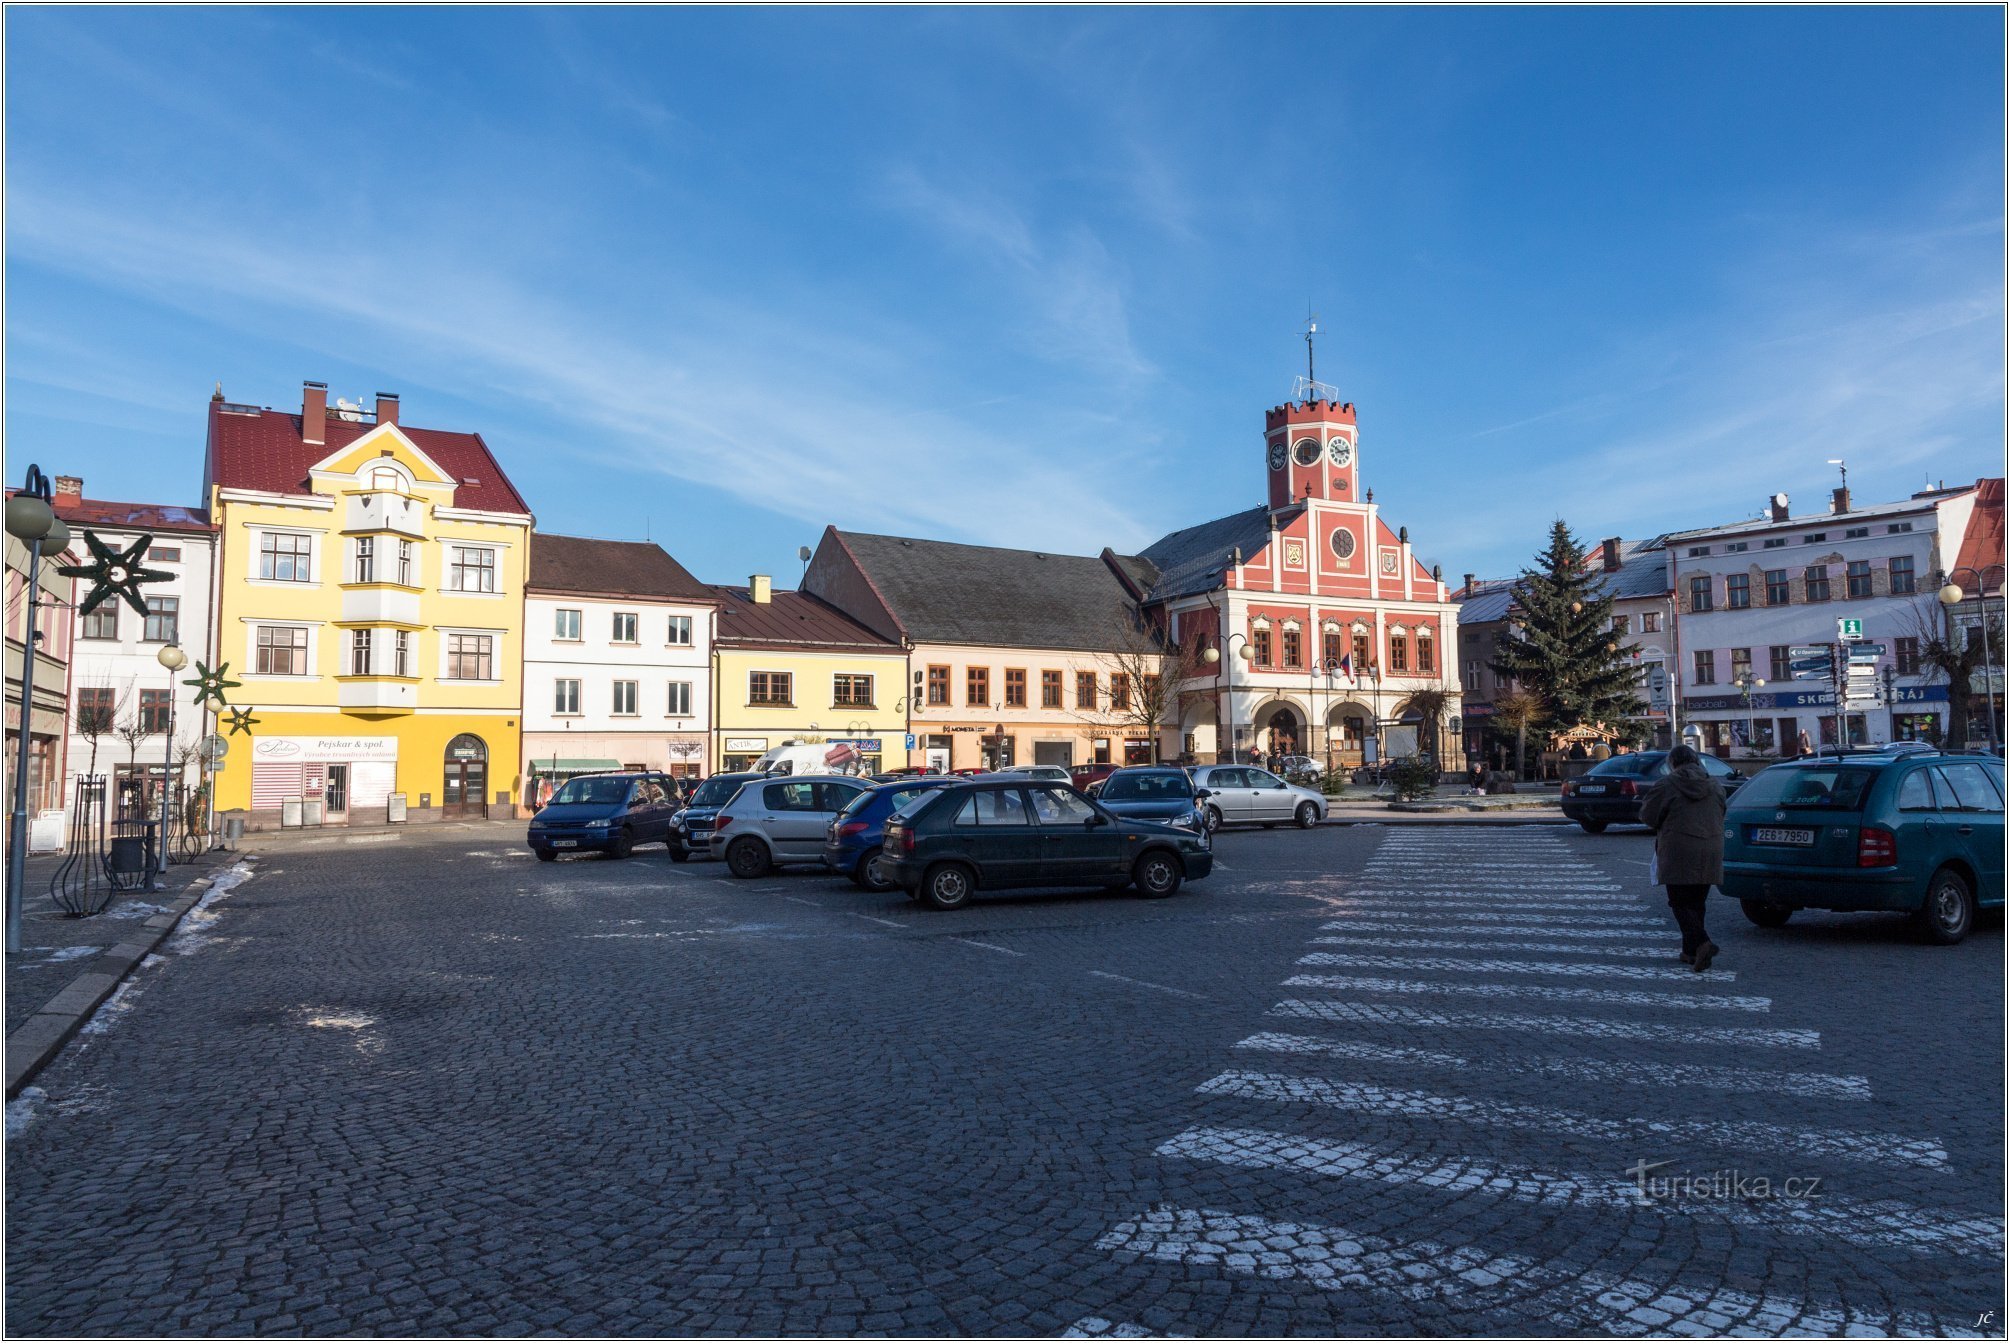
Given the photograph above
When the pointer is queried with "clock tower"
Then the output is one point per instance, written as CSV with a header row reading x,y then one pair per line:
x,y
1312,451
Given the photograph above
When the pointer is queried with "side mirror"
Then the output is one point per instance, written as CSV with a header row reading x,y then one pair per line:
x,y
1095,820
1200,793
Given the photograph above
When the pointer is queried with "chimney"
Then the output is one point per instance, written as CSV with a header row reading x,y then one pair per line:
x,y
1469,585
314,412
760,589
69,487
387,408
1608,554
1841,500
1778,504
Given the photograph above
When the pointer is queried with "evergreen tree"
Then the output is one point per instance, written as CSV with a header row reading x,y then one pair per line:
x,y
1559,644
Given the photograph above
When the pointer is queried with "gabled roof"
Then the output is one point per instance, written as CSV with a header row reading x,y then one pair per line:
x,y
790,620
1982,543
943,592
589,566
1925,502
104,513
257,449
1642,572
1192,560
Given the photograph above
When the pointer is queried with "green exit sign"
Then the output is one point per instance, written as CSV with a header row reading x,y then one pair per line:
x,y
1848,630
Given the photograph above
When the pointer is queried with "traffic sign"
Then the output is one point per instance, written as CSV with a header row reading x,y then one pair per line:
x,y
1866,652
1800,651
213,747
1849,629
910,741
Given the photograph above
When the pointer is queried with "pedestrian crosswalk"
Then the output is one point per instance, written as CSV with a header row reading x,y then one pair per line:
x,y
1464,983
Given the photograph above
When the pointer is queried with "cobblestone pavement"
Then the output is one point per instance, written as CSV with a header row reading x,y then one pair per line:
x,y
1359,1081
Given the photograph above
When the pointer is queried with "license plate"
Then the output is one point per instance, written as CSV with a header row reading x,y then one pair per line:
x,y
1589,788
1766,834
565,844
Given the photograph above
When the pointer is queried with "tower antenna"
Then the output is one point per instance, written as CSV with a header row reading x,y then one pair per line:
x,y
1311,330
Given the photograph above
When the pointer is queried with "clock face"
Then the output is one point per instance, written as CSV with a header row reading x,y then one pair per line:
x,y
1343,543
1277,456
1306,451
1339,450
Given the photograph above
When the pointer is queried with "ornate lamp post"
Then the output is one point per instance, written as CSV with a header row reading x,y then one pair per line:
x,y
174,660
1747,683
1213,656
1951,596
32,521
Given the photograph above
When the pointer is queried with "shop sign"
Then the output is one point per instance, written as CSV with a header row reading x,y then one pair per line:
x,y
312,750
863,745
746,743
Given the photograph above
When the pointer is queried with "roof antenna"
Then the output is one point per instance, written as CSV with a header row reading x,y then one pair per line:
x,y
1311,330
1844,466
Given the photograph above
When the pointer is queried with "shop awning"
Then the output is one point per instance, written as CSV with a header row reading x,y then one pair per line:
x,y
550,768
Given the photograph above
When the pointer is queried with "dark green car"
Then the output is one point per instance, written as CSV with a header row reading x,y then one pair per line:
x,y
1916,831
946,845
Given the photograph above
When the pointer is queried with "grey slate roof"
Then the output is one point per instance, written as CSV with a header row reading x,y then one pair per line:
x,y
943,592
1643,572
1191,561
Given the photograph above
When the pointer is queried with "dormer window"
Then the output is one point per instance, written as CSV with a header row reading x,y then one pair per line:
x,y
387,478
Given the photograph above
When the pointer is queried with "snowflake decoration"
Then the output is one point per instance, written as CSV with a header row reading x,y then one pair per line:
x,y
211,684
241,721
115,573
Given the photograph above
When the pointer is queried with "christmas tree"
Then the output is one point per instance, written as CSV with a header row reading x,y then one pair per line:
x,y
1559,644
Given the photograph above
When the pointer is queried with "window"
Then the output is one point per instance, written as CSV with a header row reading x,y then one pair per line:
x,y
1262,645
154,708
1737,592
1903,580
680,699
851,691
1699,594
1898,527
565,695
1859,578
1425,652
366,559
1695,551
359,652
938,685
1706,667
1969,785
1050,690
1916,792
281,650
1780,658
1818,582
1058,806
1294,654
1002,806
1775,542
770,688
284,557
1015,687
1330,649
1777,592
680,631
401,653
1473,675
172,554
1120,691
977,686
1814,538
1399,652
386,478
624,699
1149,686
1622,625
1737,546
1361,659
97,708
1852,533
565,625
1741,662
1085,690
163,619
1906,652
470,657
1650,622
625,623
103,623
405,563
471,569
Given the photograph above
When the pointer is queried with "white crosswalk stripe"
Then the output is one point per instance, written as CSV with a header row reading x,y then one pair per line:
x,y
1884,1224
1370,938
1481,966
1586,1028
1508,924
1361,1096
1536,992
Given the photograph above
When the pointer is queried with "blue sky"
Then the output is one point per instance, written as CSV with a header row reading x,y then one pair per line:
x,y
1024,277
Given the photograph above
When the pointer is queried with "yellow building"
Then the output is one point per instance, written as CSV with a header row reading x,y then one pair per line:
x,y
370,600
787,668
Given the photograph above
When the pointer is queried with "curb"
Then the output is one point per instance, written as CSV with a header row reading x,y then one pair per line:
x,y
35,1044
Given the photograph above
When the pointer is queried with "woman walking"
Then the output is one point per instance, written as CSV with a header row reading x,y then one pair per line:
x,y
1685,809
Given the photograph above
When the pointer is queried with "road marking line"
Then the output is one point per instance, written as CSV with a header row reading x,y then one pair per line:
x,y
1146,984
1885,1223
799,900
1483,966
1501,890
988,946
1590,1028
1545,992
1842,1144
1516,925
875,918
1392,937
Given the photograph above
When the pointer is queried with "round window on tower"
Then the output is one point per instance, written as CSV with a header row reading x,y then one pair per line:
x,y
1343,543
1305,451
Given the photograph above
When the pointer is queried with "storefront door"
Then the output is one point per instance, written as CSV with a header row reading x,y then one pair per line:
x,y
467,775
336,796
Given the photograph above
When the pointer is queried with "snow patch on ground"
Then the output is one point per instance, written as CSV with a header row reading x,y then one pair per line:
x,y
57,955
138,909
21,1110
112,1009
196,931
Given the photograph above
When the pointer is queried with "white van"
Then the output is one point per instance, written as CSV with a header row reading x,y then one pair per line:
x,y
800,757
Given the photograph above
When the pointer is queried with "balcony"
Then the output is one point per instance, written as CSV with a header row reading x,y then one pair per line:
x,y
385,511
380,604
377,694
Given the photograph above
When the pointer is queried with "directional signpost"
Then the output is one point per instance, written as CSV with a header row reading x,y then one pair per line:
x,y
1849,629
1811,662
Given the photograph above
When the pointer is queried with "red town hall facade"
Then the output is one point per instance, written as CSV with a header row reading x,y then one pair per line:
x,y
1339,621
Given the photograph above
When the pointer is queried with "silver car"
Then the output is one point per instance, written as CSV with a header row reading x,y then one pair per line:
x,y
1054,772
781,820
1244,795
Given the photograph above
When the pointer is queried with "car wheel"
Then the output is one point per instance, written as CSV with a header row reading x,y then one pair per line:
x,y
1949,911
1308,815
1213,814
867,874
947,886
678,853
622,844
746,858
1157,875
1765,915
546,855
1593,827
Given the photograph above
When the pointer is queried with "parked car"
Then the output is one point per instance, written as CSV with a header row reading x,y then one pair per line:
x,y
778,821
1914,831
852,840
1054,773
1244,794
1160,793
1611,791
1301,769
691,830
949,843
610,813
1089,778
906,772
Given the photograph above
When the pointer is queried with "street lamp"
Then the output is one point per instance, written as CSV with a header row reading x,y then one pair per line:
x,y
32,521
174,660
1747,683
1213,656
1951,595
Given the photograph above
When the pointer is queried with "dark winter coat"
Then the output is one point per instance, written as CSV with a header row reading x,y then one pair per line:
x,y
1686,812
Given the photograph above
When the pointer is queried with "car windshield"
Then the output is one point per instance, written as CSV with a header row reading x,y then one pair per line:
x,y
603,789
1147,788
716,791
1822,787
914,804
1628,764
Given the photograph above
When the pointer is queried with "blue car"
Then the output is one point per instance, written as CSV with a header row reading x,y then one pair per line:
x,y
607,813
1162,793
851,845
691,828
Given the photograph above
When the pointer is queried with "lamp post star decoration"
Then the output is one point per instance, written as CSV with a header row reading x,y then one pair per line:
x,y
210,685
241,721
115,573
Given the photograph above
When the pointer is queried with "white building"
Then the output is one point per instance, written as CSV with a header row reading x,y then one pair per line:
x,y
1747,593
117,682
617,660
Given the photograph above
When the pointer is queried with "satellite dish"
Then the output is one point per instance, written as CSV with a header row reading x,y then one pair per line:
x,y
803,553
1779,501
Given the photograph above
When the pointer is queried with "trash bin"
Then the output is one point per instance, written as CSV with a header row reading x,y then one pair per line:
x,y
289,813
128,856
233,827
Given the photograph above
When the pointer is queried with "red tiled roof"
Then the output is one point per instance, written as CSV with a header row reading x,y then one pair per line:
x,y
790,619
131,517
254,449
1982,545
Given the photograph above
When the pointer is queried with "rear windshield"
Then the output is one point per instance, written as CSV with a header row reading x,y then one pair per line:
x,y
1146,787
1820,787
717,791
915,803
1627,764
605,789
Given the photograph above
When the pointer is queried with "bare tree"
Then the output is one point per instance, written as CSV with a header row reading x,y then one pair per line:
x,y
1429,703
97,718
1146,671
1957,653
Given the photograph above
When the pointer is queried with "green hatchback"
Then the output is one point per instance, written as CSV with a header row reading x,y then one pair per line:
x,y
1919,832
